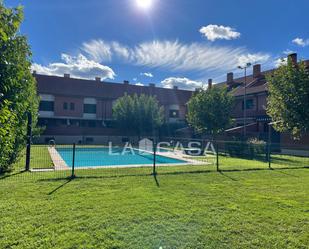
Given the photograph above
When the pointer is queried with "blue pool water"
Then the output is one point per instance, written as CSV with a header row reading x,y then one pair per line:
x,y
101,157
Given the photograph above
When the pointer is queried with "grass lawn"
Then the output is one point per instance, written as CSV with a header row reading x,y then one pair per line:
x,y
39,158
185,207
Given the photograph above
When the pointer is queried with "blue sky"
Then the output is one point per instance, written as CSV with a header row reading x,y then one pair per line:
x,y
173,42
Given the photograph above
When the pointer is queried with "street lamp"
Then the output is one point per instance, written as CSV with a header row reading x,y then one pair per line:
x,y
245,93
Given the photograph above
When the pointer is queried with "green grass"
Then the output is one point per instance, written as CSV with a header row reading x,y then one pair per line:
x,y
246,205
187,207
39,158
277,162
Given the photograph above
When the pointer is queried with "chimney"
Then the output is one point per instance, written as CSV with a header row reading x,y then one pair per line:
x,y
66,75
209,83
256,70
126,82
175,87
293,58
152,85
98,79
229,78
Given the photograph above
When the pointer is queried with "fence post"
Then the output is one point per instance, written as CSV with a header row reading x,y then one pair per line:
x,y
73,162
269,147
217,155
29,141
154,158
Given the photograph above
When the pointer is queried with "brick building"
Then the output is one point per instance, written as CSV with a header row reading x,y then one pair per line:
x,y
81,110
256,102
77,109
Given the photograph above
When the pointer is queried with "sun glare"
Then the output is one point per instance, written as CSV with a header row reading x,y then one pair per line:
x,y
144,4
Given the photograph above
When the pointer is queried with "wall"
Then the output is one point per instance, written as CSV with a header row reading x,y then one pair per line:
x,y
78,106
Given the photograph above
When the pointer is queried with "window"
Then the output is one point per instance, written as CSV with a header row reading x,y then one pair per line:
x,y
72,106
91,123
74,122
65,105
249,104
174,114
61,122
46,106
83,123
90,108
89,140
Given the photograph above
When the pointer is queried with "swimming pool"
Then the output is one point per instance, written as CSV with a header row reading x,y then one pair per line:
x,y
102,156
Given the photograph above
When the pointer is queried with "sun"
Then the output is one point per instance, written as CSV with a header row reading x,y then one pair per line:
x,y
144,4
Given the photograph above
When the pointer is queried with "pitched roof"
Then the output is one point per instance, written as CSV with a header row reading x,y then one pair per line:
x,y
106,90
254,85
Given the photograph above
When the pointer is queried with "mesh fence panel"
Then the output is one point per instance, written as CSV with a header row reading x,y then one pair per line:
x,y
165,156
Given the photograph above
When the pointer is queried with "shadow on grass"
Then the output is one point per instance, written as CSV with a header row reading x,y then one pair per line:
x,y
156,179
171,173
61,186
284,173
229,177
2,177
275,159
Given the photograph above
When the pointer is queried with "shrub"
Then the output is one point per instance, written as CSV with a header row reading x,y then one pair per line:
x,y
252,148
8,122
256,147
17,87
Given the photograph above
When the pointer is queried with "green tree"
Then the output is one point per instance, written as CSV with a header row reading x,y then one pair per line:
x,y
17,86
209,111
138,113
8,121
288,100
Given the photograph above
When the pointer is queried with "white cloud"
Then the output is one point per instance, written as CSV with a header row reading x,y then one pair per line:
x,y
173,55
182,83
98,50
280,61
288,51
301,42
139,84
213,32
252,58
176,56
134,79
77,66
101,51
150,75
121,50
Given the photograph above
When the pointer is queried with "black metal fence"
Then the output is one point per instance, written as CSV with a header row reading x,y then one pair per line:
x,y
155,156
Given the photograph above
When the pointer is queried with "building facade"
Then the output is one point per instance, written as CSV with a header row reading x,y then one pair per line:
x,y
83,108
252,99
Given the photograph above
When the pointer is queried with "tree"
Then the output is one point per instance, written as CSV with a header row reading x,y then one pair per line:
x,y
7,123
288,100
17,86
138,113
209,111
